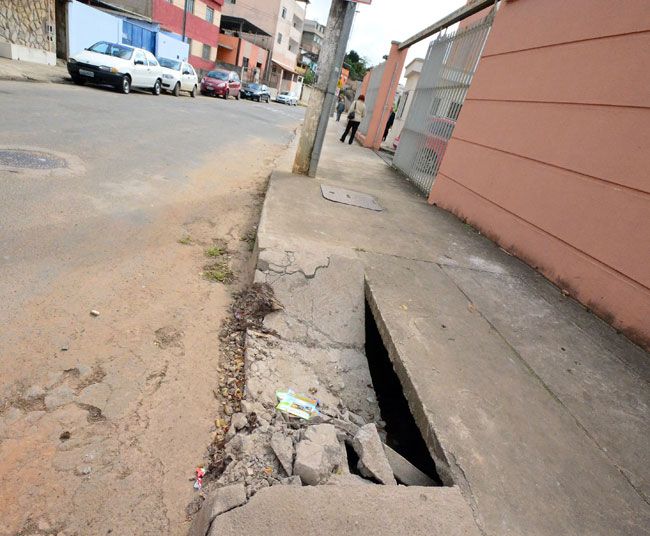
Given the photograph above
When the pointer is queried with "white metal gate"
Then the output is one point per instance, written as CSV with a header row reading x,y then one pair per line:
x,y
437,100
371,95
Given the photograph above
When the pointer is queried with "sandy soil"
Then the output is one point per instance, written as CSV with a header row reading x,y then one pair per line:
x,y
104,421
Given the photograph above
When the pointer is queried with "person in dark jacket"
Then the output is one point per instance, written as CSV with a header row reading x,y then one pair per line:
x,y
389,124
340,108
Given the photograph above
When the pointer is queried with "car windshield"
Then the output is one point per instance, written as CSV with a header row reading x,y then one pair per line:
x,y
219,75
254,87
112,49
286,93
170,64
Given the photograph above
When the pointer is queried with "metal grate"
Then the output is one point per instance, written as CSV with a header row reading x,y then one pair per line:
x,y
371,96
437,101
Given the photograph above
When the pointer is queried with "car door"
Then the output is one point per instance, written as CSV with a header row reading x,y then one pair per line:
x,y
153,71
234,84
187,78
140,70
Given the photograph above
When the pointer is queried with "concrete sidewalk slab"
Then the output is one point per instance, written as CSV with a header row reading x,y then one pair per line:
x,y
342,510
24,71
538,409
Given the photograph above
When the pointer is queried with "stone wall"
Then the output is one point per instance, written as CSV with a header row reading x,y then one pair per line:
x,y
28,23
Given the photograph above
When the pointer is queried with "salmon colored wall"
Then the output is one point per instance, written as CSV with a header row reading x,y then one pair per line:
x,y
224,54
550,156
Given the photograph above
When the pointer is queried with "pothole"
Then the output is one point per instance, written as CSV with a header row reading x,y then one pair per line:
x,y
402,432
26,159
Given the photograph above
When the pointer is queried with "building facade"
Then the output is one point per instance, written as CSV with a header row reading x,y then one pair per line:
x,y
199,26
28,30
283,20
313,34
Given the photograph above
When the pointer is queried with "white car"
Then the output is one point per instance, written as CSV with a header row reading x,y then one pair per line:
x,y
178,76
117,65
287,97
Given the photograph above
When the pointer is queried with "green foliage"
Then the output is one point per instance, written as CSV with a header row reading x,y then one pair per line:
x,y
358,65
310,77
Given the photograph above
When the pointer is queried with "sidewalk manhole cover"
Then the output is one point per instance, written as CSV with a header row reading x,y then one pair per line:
x,y
19,158
348,197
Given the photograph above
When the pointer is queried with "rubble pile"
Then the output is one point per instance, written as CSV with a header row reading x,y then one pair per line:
x,y
267,442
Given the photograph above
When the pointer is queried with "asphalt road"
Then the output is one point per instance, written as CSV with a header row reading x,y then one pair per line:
x,y
130,154
103,419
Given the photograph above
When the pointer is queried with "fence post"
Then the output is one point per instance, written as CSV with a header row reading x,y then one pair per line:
x,y
385,97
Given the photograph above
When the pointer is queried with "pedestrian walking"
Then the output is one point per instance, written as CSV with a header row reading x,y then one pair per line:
x,y
356,115
389,124
340,108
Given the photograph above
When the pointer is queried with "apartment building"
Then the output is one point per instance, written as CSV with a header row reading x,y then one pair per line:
x,y
199,25
313,35
283,20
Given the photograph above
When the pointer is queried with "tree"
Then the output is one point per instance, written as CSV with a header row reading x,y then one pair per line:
x,y
310,77
358,65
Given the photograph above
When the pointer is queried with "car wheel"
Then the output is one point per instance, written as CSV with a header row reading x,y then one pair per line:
x,y
193,92
226,94
126,84
237,96
156,88
177,89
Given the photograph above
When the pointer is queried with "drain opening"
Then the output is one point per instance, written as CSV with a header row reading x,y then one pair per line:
x,y
402,433
20,158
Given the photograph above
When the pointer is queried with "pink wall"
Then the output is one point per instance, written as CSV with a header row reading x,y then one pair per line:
x,y
550,156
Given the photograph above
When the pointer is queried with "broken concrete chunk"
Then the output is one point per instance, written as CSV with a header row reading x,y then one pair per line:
x,y
372,458
404,471
318,455
238,421
221,501
348,480
283,448
58,397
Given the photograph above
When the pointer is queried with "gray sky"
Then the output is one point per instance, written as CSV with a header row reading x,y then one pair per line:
x,y
375,26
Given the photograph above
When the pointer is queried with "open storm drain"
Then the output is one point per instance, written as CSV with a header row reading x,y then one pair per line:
x,y
23,159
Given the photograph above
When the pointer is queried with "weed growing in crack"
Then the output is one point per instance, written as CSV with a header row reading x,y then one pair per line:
x,y
186,240
219,272
215,251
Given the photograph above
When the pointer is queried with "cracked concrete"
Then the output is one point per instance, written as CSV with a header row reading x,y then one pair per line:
x,y
537,410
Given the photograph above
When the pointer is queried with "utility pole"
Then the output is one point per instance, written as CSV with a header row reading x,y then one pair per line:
x,y
321,102
184,20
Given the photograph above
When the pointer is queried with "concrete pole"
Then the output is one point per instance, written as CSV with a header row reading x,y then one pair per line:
x,y
321,102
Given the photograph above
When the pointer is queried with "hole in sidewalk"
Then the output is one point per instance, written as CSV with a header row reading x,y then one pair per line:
x,y
403,434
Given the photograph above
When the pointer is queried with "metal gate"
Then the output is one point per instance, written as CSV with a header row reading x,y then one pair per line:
x,y
374,84
437,100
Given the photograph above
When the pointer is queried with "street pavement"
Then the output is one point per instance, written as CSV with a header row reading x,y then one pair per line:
x,y
104,418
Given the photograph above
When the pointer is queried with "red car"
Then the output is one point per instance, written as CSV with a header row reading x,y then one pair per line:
x,y
221,83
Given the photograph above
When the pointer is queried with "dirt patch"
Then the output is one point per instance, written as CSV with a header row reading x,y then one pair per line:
x,y
152,362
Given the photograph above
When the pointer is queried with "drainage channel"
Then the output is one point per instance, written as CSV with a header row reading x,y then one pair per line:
x,y
403,434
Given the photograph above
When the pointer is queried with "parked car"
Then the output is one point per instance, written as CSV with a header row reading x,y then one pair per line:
x,y
120,66
178,76
286,97
221,83
258,92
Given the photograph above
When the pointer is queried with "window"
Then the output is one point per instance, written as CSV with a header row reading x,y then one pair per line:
x,y
435,106
284,12
189,6
209,14
207,50
245,62
231,1
279,39
139,58
152,61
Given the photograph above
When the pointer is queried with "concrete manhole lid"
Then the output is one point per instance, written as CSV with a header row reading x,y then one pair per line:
x,y
25,159
348,197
